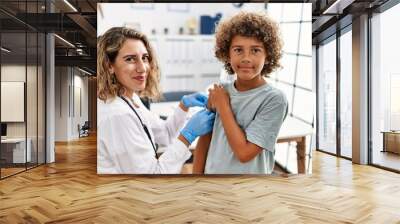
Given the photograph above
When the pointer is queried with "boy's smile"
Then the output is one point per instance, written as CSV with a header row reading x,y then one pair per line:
x,y
245,67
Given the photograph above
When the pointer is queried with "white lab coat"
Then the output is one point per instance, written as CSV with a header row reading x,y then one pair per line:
x,y
123,146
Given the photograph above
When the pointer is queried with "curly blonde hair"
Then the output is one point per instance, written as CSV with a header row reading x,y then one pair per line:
x,y
249,24
108,46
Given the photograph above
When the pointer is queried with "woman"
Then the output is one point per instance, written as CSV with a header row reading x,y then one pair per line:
x,y
127,69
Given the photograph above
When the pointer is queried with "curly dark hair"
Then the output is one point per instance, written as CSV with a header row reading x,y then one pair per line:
x,y
249,24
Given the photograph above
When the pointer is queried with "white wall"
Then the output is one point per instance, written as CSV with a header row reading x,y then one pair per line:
x,y
12,100
159,16
61,103
69,82
80,103
14,73
187,62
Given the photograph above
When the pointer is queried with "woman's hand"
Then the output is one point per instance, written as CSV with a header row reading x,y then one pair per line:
x,y
195,100
200,124
218,98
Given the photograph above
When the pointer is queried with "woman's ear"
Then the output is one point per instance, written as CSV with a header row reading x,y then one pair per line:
x,y
110,68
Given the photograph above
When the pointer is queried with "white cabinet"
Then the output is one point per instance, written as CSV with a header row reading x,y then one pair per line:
x,y
187,62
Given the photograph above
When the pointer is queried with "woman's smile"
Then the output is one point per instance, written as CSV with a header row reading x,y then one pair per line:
x,y
140,78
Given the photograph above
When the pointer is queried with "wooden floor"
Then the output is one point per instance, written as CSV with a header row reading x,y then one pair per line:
x,y
387,159
70,191
10,171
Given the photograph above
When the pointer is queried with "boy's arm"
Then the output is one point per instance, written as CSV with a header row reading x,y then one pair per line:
x,y
243,149
200,153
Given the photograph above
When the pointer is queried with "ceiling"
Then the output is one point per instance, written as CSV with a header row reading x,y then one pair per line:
x,y
332,15
76,26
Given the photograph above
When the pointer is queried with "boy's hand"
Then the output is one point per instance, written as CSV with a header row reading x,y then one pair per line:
x,y
218,98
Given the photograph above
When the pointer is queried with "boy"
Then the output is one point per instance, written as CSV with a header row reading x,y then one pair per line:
x,y
250,112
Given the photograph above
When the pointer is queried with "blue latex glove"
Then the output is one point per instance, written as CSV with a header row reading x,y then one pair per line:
x,y
195,99
200,124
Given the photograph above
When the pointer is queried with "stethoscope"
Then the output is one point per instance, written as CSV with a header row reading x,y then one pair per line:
x,y
143,125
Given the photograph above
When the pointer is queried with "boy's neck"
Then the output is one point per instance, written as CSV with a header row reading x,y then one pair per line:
x,y
244,85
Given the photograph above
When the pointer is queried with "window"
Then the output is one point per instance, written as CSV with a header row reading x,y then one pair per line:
x,y
295,78
385,86
327,96
22,65
346,93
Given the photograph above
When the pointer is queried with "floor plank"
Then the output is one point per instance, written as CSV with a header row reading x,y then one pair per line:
x,y
70,191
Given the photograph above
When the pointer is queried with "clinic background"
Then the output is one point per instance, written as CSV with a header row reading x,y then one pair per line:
x,y
182,37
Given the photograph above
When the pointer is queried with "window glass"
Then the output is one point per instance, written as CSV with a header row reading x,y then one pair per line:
x,y
327,96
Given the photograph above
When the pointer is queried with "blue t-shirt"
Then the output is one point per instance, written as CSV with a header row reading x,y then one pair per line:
x,y
260,113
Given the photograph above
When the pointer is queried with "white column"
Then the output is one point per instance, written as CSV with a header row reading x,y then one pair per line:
x,y
360,90
50,98
50,92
